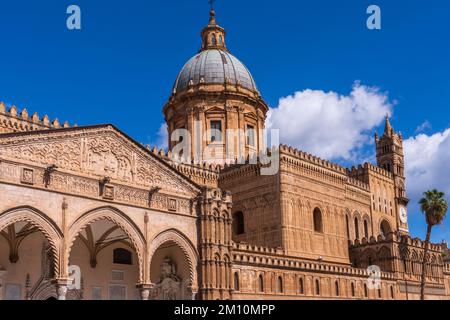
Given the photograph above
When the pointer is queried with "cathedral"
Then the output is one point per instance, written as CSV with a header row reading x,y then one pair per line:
x,y
86,212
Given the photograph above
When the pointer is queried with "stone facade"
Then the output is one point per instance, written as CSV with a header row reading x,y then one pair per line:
x,y
88,213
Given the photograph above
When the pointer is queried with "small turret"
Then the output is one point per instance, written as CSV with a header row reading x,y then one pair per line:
x,y
213,35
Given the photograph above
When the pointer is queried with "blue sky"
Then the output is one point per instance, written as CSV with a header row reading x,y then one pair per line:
x,y
121,66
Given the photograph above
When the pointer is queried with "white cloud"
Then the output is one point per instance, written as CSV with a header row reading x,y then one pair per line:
x,y
427,158
330,125
423,127
162,136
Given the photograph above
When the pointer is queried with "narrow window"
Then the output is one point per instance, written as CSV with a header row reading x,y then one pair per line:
x,y
366,229
353,289
236,281
216,131
301,290
392,292
317,219
261,283
238,223
250,135
356,228
280,285
336,285
366,293
317,287
348,227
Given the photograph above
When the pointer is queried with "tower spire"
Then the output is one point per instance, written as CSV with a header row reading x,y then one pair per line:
x,y
388,128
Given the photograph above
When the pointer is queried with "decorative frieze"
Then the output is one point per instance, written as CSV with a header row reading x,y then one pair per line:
x,y
88,187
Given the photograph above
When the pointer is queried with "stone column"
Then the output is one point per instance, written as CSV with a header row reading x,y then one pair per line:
x,y
145,289
193,291
2,273
62,285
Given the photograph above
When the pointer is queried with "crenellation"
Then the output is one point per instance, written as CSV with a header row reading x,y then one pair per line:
x,y
11,120
311,158
274,257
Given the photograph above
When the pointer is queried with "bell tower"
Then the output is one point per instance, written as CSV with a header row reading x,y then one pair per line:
x,y
389,149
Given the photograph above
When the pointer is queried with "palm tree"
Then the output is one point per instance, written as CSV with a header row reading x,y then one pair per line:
x,y
434,206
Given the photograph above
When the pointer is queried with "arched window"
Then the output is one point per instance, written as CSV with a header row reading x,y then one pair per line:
x,y
392,292
301,290
238,223
220,40
379,292
385,228
317,287
280,285
366,229
356,228
261,283
336,287
317,219
366,293
347,226
122,256
213,39
236,281
353,289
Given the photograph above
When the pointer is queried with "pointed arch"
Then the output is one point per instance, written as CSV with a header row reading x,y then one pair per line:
x,y
236,281
117,217
173,235
356,227
260,283
347,226
385,227
317,220
41,221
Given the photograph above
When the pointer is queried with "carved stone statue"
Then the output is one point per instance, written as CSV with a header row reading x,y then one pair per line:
x,y
170,286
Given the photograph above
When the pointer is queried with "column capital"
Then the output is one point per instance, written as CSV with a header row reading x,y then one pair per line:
x,y
144,290
62,285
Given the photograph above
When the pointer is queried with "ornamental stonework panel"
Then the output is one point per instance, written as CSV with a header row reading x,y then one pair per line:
x,y
132,195
172,204
108,192
110,157
9,172
27,176
63,153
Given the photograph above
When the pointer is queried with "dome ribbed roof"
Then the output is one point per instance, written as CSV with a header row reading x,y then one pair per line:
x,y
214,66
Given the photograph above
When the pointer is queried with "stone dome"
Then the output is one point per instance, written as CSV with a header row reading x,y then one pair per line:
x,y
214,66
